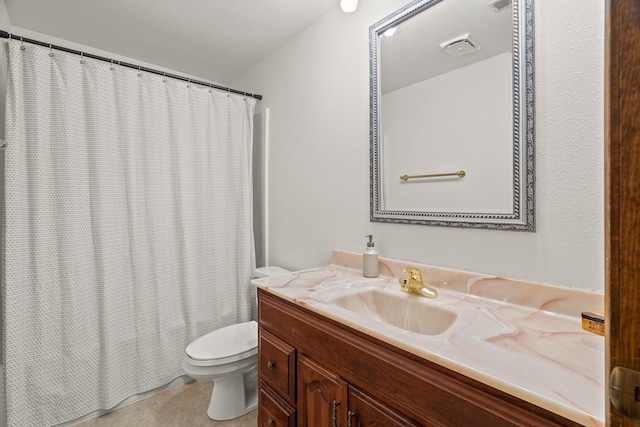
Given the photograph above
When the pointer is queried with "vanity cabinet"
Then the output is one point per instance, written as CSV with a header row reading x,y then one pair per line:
x,y
371,382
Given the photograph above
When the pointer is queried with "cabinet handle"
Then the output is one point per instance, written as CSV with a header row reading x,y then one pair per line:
x,y
349,416
270,422
271,364
335,413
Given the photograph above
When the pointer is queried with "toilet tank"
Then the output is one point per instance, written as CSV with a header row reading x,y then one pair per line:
x,y
269,271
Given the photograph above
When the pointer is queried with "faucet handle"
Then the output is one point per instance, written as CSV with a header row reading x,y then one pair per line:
x,y
414,273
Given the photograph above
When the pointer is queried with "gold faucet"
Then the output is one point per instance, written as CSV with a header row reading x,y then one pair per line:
x,y
413,284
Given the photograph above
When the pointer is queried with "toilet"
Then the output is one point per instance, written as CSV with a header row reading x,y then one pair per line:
x,y
229,357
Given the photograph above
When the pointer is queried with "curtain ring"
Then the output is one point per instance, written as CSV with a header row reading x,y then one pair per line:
x,y
22,44
139,72
210,87
112,67
50,50
164,77
82,57
189,82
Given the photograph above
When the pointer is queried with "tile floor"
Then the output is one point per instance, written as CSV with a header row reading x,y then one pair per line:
x,y
183,406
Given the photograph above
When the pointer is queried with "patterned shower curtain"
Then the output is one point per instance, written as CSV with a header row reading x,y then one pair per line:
x,y
128,229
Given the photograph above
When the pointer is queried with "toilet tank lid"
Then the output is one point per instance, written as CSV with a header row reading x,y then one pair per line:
x,y
270,271
229,341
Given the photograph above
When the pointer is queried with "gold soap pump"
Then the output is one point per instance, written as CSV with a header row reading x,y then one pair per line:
x,y
370,259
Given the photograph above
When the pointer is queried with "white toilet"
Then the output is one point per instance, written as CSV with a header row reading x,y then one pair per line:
x,y
229,357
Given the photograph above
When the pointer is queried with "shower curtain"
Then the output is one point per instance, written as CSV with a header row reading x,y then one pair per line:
x,y
128,229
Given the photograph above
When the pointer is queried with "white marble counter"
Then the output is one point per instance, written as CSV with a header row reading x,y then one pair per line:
x,y
520,337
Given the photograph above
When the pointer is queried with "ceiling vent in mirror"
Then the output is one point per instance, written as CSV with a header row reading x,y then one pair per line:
x,y
460,46
499,5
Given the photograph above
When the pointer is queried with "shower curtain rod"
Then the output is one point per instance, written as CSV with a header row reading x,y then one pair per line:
x,y
6,35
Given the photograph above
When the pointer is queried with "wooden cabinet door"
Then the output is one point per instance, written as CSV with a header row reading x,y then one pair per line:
x,y
622,195
365,411
322,396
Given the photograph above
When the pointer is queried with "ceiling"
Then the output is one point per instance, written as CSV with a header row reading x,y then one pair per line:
x,y
414,52
211,39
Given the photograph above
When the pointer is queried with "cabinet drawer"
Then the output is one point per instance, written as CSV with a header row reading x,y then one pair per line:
x,y
274,412
276,365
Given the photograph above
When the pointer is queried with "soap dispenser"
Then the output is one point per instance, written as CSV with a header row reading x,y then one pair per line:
x,y
370,260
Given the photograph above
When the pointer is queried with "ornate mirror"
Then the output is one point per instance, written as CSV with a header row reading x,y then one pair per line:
x,y
452,115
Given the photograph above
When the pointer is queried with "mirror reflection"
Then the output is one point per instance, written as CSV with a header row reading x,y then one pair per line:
x,y
449,141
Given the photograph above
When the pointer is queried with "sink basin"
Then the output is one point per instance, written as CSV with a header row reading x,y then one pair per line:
x,y
408,312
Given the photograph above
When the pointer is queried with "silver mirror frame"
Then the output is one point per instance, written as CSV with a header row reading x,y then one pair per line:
x,y
523,216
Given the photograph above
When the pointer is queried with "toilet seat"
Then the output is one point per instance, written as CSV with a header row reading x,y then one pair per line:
x,y
225,345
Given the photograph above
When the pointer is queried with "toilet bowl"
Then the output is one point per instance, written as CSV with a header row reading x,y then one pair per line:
x,y
225,356
229,357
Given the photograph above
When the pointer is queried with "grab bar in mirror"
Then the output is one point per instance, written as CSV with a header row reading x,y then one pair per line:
x,y
460,174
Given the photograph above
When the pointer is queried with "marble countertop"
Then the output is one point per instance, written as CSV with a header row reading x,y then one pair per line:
x,y
520,337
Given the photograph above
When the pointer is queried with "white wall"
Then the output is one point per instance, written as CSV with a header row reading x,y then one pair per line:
x,y
317,89
5,23
46,38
